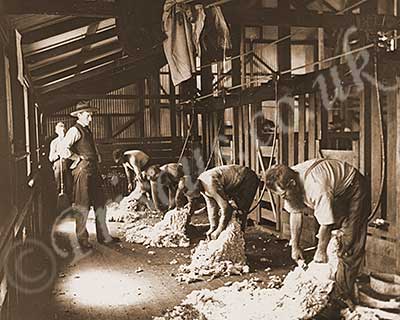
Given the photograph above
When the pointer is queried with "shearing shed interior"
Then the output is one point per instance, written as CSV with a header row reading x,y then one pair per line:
x,y
199,159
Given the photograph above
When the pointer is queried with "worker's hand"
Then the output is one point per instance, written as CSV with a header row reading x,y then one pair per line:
x,y
297,253
320,257
130,187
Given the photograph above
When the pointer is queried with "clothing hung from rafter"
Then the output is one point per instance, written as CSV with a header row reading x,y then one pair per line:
x,y
192,30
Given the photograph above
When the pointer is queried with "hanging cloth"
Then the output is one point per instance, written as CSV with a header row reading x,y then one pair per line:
x,y
182,38
216,38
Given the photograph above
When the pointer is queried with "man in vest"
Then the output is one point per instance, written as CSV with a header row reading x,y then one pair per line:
x,y
337,193
79,146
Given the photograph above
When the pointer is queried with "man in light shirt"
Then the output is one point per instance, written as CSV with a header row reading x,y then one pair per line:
x,y
60,166
79,146
337,193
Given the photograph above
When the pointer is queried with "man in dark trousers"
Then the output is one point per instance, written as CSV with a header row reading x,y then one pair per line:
x,y
337,193
79,146
218,186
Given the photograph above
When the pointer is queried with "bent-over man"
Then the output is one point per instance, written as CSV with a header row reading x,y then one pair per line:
x,y
337,193
133,161
80,147
218,186
164,182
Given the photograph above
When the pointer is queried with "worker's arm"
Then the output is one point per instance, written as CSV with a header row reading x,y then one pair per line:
x,y
324,235
296,224
323,212
71,137
129,177
225,213
53,155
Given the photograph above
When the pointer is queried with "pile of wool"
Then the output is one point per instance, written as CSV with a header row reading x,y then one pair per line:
x,y
215,258
169,232
364,313
130,208
303,295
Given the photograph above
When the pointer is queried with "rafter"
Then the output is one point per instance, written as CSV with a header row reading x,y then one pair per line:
x,y
34,57
98,8
56,29
67,73
100,82
48,69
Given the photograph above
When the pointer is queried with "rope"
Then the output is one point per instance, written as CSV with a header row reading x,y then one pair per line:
x,y
187,138
357,4
382,140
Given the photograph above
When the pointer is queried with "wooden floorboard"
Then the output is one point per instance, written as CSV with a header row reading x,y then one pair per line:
x,y
105,284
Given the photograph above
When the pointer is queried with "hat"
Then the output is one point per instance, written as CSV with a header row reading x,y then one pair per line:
x,y
81,107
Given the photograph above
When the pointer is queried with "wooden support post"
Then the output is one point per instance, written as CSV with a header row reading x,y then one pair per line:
x,y
397,190
290,132
108,127
311,127
302,129
236,80
172,102
141,92
284,63
376,153
391,156
154,88
206,88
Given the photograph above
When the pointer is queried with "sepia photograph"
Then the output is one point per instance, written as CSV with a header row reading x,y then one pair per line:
x,y
199,160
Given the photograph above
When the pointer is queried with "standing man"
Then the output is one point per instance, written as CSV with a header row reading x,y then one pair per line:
x,y
218,186
60,166
337,193
80,147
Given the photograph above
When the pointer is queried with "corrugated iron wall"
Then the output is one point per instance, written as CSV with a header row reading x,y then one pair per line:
x,y
107,108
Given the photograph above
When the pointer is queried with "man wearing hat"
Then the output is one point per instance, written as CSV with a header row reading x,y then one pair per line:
x,y
79,146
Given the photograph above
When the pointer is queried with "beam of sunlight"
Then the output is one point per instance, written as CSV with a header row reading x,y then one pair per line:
x,y
103,288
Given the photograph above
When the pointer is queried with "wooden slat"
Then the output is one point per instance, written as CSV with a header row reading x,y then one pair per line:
x,y
302,129
102,8
391,168
64,74
45,69
57,29
35,56
311,127
397,190
290,128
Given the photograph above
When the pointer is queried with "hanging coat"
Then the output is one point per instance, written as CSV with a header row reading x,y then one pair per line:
x,y
182,37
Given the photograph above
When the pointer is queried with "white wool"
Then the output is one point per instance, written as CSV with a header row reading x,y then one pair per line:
x,y
303,295
169,232
223,256
128,208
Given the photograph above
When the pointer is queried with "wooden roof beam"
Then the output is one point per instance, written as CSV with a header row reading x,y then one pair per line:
x,y
296,18
100,81
57,29
67,73
116,66
96,8
51,68
35,57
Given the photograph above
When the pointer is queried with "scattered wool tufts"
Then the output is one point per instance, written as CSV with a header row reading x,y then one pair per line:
x,y
304,294
364,313
216,258
130,208
169,232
